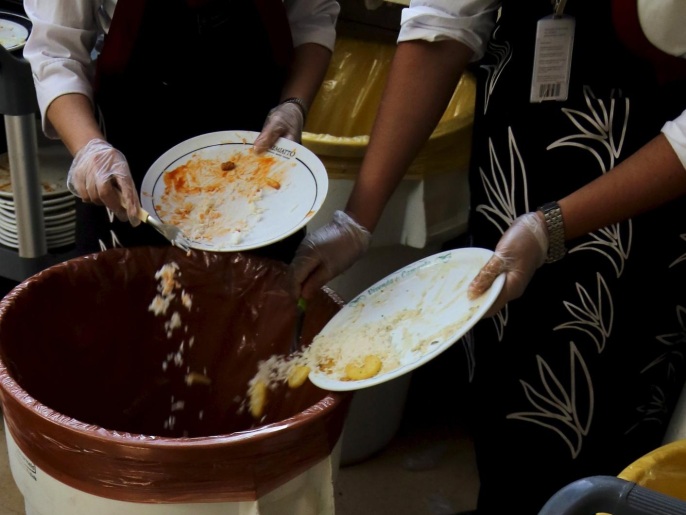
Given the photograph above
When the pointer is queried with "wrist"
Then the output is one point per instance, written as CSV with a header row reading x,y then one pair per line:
x,y
298,102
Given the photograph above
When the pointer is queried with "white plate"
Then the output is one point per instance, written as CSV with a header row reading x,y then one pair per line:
x,y
63,218
51,241
406,319
50,205
14,30
53,166
262,200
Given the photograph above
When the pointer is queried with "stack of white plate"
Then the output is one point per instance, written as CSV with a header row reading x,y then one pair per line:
x,y
57,201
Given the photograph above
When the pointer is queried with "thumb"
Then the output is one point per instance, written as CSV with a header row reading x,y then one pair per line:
x,y
485,277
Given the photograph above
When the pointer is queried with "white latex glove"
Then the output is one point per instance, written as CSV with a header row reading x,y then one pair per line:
x,y
327,252
284,121
522,249
100,174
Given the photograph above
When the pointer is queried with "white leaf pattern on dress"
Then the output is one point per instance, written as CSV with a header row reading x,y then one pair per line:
x,y
681,258
597,129
654,411
673,342
555,407
502,53
501,208
468,345
592,316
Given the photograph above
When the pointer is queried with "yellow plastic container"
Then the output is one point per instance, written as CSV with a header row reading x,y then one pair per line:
x,y
343,112
662,470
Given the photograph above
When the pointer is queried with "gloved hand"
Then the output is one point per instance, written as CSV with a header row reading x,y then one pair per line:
x,y
522,249
327,252
100,174
285,120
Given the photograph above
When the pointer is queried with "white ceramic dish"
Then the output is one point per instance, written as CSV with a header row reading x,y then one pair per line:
x,y
225,197
14,30
53,166
406,319
7,207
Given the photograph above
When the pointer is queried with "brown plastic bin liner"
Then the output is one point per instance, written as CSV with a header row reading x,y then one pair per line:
x,y
86,396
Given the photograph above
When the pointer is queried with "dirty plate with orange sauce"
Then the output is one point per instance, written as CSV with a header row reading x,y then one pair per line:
x,y
401,322
226,197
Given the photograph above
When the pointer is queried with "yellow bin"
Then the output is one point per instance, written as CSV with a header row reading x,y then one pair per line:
x,y
342,114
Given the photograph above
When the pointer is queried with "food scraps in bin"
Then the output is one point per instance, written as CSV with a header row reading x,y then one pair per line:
x,y
167,291
294,369
277,369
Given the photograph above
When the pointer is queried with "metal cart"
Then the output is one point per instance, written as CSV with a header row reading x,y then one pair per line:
x,y
19,107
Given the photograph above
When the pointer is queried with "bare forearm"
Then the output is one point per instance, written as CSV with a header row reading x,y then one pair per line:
x,y
73,119
421,81
650,177
310,63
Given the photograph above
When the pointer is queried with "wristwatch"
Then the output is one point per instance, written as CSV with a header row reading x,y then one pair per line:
x,y
299,102
556,231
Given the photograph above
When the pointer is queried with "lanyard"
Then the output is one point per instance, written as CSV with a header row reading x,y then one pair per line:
x,y
559,7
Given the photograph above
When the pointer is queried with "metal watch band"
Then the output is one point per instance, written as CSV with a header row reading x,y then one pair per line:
x,y
556,231
299,102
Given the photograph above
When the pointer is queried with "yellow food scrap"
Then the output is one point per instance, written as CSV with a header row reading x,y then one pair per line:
x,y
298,376
196,377
258,398
371,365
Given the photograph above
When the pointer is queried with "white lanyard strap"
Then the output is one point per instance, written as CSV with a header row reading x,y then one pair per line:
x,y
559,7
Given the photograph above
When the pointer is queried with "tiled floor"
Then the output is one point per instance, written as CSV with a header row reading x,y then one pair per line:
x,y
427,469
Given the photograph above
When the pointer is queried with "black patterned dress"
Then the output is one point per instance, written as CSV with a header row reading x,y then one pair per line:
x,y
579,375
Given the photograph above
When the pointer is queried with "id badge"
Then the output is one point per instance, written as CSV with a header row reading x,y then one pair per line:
x,y
552,58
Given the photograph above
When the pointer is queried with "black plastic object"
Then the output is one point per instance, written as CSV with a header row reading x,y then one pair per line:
x,y
17,96
611,495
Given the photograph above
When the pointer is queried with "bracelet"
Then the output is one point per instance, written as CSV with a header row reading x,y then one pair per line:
x,y
299,102
556,231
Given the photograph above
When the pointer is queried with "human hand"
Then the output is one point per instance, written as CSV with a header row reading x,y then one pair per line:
x,y
522,249
285,120
327,252
100,174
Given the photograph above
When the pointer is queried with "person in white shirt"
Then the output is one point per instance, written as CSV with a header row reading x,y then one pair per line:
x,y
580,374
121,82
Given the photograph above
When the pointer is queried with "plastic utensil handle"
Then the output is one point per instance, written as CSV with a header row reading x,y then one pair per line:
x,y
612,495
143,215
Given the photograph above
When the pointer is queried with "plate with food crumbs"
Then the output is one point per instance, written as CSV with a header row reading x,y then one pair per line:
x,y
53,168
226,197
14,30
401,322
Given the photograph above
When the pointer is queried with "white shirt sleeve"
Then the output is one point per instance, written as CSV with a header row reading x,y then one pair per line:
x,y
59,51
675,131
467,21
313,21
662,22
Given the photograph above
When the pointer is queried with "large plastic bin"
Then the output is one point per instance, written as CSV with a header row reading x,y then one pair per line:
x,y
101,417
